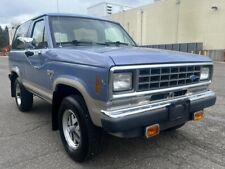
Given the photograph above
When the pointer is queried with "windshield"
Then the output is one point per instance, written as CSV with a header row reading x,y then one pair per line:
x,y
82,31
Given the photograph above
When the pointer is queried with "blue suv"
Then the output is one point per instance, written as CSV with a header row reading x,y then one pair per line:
x,y
97,79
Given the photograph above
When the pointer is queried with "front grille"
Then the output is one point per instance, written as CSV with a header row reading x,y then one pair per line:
x,y
165,77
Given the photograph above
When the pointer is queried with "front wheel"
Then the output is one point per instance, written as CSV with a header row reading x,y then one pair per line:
x,y
81,139
24,99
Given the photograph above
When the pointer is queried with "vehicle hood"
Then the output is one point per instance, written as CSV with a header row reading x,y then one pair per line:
x,y
110,56
137,55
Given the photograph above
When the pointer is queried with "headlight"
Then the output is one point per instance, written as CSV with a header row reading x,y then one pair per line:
x,y
122,82
205,72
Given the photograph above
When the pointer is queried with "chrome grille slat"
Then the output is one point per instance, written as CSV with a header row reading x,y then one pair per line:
x,y
165,77
166,74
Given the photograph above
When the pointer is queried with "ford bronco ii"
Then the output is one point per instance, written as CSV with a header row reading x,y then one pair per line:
x,y
97,79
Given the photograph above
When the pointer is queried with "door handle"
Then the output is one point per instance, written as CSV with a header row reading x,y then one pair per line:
x,y
29,53
39,52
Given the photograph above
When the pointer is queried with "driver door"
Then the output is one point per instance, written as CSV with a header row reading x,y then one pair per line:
x,y
36,68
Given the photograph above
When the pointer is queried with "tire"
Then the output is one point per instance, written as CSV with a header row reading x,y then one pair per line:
x,y
81,139
24,99
175,128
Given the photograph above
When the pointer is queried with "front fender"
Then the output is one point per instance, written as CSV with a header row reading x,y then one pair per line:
x,y
74,82
15,69
94,106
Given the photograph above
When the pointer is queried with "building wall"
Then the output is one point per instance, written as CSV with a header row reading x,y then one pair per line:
x,y
100,9
130,21
97,10
160,23
177,21
199,22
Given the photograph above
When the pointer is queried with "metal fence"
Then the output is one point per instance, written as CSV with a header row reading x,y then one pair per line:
x,y
182,47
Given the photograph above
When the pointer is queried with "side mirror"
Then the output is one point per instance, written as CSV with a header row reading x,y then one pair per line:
x,y
25,39
25,42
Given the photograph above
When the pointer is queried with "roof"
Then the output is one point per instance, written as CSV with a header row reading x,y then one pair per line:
x,y
70,15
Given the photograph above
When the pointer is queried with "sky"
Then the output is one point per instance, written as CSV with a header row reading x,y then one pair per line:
x,y
17,11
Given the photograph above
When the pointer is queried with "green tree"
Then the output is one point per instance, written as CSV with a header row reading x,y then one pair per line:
x,y
4,37
1,38
6,34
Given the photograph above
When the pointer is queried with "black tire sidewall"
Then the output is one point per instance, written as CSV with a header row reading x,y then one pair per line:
x,y
80,153
26,97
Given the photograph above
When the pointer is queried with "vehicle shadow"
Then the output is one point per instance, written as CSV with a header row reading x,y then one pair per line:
x,y
168,150
124,153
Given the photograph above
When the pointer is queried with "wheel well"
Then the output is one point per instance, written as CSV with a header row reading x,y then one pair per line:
x,y
59,94
12,78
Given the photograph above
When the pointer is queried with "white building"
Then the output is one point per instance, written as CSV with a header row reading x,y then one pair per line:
x,y
104,9
178,21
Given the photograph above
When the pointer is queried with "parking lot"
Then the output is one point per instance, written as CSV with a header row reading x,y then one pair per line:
x,y
27,141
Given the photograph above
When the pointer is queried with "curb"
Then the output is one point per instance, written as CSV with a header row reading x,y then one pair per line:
x,y
3,56
219,62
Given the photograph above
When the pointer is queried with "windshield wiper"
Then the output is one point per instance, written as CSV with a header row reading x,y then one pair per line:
x,y
117,43
77,42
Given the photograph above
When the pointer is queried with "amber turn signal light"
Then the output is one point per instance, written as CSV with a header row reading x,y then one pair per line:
x,y
198,116
152,131
98,85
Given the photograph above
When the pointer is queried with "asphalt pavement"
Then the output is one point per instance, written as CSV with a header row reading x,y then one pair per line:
x,y
27,141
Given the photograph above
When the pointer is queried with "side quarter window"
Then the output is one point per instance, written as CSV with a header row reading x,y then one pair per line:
x,y
39,35
21,31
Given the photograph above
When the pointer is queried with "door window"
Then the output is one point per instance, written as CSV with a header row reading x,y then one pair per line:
x,y
39,35
20,32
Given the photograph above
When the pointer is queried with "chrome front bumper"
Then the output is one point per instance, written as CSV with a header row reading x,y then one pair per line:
x,y
131,122
125,112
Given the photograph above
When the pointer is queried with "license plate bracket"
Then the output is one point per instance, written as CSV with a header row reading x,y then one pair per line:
x,y
179,110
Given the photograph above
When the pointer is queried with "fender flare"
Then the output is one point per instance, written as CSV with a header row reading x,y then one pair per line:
x,y
74,83
16,70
